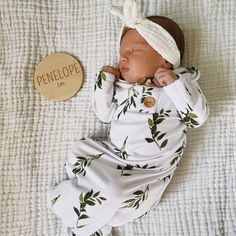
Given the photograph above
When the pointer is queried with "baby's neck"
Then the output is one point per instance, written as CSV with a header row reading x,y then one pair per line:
x,y
147,81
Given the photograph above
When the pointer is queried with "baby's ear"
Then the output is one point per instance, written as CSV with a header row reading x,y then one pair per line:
x,y
167,65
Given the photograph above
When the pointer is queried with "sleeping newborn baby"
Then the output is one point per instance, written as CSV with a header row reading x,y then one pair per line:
x,y
148,102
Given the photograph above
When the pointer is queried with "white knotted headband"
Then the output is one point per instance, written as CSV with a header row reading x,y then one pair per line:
x,y
157,37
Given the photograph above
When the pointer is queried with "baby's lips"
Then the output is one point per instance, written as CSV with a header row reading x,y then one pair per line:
x,y
124,69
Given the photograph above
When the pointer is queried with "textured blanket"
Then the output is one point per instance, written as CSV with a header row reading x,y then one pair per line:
x,y
36,133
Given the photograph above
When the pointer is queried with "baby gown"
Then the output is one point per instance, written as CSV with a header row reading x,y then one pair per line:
x,y
115,181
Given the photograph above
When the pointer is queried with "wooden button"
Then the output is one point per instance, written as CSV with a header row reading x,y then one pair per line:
x,y
149,101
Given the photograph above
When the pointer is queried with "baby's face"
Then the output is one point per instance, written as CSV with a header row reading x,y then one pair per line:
x,y
137,58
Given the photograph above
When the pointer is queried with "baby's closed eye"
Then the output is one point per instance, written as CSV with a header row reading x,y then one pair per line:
x,y
137,50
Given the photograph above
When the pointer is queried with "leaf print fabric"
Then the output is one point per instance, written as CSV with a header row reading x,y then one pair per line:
x,y
53,201
83,162
139,196
129,101
145,93
91,199
101,77
125,170
191,105
98,233
179,153
189,118
123,173
114,181
157,136
121,152
104,89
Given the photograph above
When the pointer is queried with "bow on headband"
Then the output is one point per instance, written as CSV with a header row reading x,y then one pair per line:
x,y
129,13
153,33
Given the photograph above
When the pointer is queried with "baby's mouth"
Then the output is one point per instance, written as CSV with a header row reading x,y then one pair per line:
x,y
124,69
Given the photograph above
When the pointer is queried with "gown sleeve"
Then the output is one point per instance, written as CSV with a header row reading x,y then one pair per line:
x,y
188,98
102,98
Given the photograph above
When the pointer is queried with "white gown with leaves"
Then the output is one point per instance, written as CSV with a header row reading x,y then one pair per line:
x,y
118,180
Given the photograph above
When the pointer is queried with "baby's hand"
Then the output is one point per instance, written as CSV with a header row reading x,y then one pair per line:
x,y
163,77
112,70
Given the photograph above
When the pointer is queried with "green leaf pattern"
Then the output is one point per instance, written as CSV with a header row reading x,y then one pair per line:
x,y
157,136
145,93
189,117
191,70
179,153
121,152
145,166
98,233
89,199
92,198
139,196
167,177
82,162
53,201
130,167
100,78
129,101
187,90
127,167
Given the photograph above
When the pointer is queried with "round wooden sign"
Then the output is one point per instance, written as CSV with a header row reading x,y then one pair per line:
x,y
58,76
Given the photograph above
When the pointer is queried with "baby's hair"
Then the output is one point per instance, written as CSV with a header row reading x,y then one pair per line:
x,y
173,29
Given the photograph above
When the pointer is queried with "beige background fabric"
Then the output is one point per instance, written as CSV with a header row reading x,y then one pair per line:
x,y
36,134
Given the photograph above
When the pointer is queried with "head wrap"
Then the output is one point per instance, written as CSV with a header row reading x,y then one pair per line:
x,y
156,36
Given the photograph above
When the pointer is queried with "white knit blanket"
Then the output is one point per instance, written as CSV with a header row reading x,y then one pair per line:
x,y
36,134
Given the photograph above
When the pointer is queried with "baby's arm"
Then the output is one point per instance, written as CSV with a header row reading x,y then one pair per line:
x,y
188,98
102,103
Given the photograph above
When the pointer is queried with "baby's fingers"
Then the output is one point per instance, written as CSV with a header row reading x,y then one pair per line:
x,y
111,70
160,81
160,72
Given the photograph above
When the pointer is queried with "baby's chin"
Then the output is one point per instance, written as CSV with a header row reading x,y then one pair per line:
x,y
129,78
131,81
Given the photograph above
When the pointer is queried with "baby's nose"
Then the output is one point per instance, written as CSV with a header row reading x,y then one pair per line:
x,y
123,58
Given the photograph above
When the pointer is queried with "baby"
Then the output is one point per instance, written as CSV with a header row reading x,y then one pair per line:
x,y
148,102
